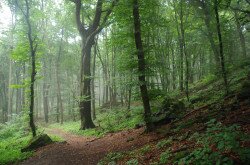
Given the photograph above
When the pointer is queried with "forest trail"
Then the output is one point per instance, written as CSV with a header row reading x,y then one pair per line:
x,y
80,150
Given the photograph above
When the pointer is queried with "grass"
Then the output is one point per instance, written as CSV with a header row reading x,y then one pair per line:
x,y
14,136
12,139
107,121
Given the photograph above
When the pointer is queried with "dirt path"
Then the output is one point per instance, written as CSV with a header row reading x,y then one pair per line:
x,y
88,150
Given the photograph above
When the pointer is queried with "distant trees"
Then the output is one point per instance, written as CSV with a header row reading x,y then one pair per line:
x,y
93,63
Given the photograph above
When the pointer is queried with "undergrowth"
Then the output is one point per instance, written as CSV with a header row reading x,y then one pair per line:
x,y
107,121
13,137
220,145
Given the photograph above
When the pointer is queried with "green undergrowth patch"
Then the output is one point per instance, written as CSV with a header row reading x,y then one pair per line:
x,y
210,89
73,127
112,158
56,138
12,139
107,121
218,144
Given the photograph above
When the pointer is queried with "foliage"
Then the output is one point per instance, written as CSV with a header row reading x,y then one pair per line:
x,y
12,139
163,143
145,149
217,144
108,121
111,158
132,162
164,157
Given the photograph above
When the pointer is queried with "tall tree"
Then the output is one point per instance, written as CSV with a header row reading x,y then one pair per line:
x,y
88,34
33,48
141,65
221,49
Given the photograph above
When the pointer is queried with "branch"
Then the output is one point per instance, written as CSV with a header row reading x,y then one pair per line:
x,y
240,10
80,24
25,15
108,12
98,14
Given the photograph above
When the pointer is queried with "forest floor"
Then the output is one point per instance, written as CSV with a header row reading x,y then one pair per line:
x,y
216,130
88,150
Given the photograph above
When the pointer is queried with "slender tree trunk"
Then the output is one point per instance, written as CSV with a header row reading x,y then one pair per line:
x,y
141,65
174,68
93,83
210,34
59,96
57,109
33,48
181,68
10,92
241,36
3,93
45,101
222,61
129,96
18,92
184,51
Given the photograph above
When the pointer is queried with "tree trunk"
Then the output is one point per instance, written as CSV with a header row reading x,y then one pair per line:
x,y
85,102
181,68
210,34
241,36
184,49
93,83
45,101
59,96
141,65
87,36
33,48
10,92
222,61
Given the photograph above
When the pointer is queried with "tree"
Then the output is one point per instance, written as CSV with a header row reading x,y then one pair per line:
x,y
33,49
221,49
141,65
88,36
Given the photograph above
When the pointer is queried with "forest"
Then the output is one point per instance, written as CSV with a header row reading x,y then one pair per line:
x,y
126,82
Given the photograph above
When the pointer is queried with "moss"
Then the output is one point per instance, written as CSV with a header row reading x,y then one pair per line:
x,y
37,142
180,155
245,90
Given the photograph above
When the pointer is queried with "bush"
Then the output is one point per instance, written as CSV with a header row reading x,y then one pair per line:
x,y
164,143
13,137
217,144
132,162
164,157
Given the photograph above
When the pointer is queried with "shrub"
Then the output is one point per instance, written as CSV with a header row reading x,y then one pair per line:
x,y
13,137
164,143
164,157
217,144
132,162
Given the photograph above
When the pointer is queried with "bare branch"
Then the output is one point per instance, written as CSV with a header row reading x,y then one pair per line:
x,y
108,12
80,24
98,14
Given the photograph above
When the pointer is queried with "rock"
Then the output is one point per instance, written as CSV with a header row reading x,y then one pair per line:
x,y
171,109
37,142
245,89
130,139
139,125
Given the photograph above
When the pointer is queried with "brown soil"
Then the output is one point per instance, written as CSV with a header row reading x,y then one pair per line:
x,y
88,150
